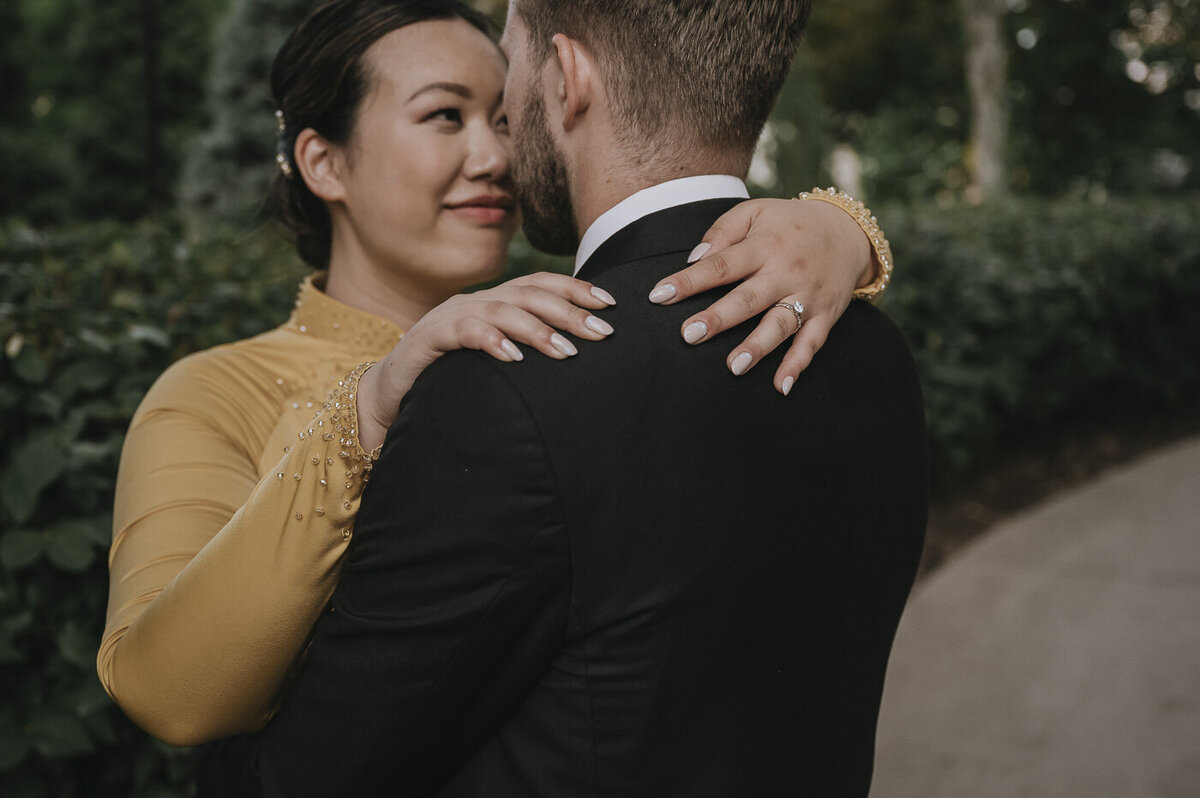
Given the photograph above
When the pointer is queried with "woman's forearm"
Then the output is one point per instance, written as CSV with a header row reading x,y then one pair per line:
x,y
210,607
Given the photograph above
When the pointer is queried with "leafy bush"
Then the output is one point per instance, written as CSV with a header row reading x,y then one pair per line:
x,y
88,319
99,103
1026,314
1019,316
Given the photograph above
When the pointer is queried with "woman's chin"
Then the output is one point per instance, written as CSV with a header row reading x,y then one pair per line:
x,y
465,272
482,253
494,272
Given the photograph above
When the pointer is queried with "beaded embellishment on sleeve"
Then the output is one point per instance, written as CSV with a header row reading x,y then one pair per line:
x,y
342,410
334,432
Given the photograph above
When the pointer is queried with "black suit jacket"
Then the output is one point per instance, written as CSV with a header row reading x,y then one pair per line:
x,y
629,573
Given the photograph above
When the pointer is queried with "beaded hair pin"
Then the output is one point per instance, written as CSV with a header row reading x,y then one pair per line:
x,y
282,156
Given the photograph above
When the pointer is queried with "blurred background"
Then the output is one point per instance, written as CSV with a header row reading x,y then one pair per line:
x,y
1036,164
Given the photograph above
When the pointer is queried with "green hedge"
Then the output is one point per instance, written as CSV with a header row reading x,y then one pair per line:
x,y
1025,315
88,319
1019,316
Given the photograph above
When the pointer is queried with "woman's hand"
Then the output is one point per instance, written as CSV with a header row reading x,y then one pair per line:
x,y
530,310
784,251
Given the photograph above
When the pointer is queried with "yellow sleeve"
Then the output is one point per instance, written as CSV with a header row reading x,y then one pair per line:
x,y
217,578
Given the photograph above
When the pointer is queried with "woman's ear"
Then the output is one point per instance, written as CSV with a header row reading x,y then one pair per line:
x,y
575,62
321,164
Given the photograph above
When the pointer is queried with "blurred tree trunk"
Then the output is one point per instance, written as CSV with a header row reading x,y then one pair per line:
x,y
152,145
987,78
16,118
230,164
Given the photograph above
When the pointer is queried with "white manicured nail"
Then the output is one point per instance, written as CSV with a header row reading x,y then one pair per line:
x,y
598,325
511,350
741,364
695,332
563,345
699,252
788,382
603,296
663,293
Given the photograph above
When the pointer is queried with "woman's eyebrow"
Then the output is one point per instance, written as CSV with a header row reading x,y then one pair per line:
x,y
453,88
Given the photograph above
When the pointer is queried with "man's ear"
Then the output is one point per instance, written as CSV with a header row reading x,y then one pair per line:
x,y
578,78
320,164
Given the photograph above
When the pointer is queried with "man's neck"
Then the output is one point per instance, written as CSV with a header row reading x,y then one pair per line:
x,y
601,183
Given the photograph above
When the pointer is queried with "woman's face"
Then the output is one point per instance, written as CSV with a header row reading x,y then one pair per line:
x,y
427,192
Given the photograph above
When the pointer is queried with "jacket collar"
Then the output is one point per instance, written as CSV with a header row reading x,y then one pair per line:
x,y
675,230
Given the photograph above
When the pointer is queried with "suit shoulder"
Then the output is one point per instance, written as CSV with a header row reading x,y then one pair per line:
x,y
870,332
871,318
468,383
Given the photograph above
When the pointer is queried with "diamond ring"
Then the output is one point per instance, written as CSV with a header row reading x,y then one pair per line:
x,y
796,308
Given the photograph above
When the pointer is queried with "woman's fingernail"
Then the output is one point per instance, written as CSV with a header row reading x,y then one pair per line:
x,y
563,345
741,364
663,293
695,332
699,252
598,325
603,296
511,350
788,382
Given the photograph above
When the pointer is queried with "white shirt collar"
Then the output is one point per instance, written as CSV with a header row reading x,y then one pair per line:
x,y
652,200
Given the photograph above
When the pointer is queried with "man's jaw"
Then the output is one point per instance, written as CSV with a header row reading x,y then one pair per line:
x,y
544,185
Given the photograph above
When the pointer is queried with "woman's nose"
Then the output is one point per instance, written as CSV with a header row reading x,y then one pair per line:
x,y
489,157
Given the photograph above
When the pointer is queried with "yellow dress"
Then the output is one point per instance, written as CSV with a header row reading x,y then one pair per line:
x,y
238,486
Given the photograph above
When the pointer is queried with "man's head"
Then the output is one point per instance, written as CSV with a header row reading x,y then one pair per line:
x,y
681,82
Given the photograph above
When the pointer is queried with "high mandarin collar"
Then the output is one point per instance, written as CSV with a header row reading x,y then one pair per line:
x,y
318,315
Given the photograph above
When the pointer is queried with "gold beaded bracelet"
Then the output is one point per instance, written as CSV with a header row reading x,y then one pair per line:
x,y
342,409
870,225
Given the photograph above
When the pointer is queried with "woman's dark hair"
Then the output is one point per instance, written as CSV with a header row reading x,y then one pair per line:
x,y
318,80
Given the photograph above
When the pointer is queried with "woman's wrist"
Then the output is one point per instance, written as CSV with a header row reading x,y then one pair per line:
x,y
364,399
881,248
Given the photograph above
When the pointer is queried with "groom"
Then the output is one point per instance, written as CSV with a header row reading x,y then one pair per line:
x,y
629,573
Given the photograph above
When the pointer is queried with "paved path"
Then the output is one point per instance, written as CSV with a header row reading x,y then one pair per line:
x,y
1059,657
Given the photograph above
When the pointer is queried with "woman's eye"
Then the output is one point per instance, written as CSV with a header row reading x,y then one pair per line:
x,y
447,115
502,124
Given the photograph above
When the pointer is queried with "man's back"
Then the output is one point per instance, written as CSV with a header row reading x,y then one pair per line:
x,y
627,574
738,560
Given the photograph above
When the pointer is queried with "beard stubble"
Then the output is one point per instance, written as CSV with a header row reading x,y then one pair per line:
x,y
543,186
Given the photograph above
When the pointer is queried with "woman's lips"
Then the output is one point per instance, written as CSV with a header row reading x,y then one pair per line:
x,y
484,210
482,214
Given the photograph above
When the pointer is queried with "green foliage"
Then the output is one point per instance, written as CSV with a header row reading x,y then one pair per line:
x,y
88,319
868,51
231,162
1080,119
1023,315
99,101
892,73
103,103
797,144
